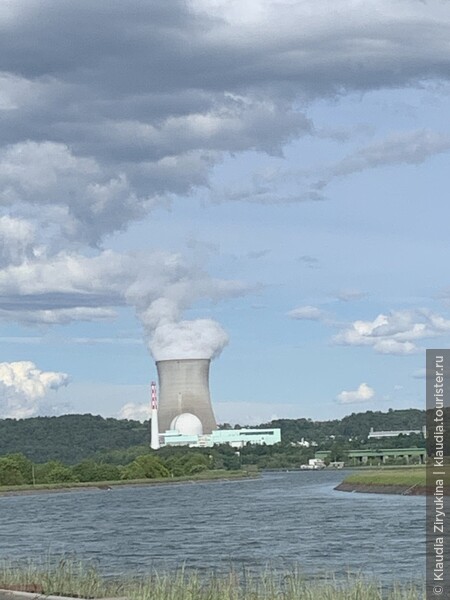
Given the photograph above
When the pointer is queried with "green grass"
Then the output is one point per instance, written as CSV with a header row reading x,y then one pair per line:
x,y
75,578
401,476
203,476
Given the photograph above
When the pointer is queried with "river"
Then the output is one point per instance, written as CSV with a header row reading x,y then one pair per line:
x,y
282,519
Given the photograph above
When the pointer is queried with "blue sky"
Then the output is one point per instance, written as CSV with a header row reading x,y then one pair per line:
x,y
186,179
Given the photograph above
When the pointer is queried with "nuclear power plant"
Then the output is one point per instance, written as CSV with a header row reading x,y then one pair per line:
x,y
184,413
184,394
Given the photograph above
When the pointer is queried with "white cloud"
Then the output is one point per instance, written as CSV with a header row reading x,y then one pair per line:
x,y
399,148
350,295
254,413
310,261
16,339
91,144
57,316
395,333
364,393
160,286
306,313
409,147
131,132
16,241
420,373
24,388
134,411
94,341
71,277
80,195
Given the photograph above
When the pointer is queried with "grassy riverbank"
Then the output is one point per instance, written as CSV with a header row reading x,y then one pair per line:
x,y
71,579
400,476
218,475
401,480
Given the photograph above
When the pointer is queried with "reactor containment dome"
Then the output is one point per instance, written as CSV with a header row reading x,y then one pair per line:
x,y
187,424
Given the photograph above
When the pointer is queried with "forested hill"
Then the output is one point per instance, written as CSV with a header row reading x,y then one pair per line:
x,y
72,438
69,438
356,425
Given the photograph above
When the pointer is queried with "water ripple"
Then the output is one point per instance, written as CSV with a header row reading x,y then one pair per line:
x,y
281,519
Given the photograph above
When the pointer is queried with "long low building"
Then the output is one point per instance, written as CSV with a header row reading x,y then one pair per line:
x,y
386,434
237,438
364,456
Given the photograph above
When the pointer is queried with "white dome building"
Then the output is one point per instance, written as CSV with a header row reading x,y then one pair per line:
x,y
187,424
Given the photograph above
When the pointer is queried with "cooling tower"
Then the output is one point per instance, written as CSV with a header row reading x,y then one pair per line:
x,y
184,388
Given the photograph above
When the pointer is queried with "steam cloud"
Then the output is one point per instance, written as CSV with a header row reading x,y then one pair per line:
x,y
202,338
171,338
23,387
60,287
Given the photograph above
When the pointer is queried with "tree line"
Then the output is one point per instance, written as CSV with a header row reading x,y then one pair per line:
x,y
355,426
16,469
71,439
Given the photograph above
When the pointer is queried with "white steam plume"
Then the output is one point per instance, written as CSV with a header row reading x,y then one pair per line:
x,y
171,338
23,387
201,338
59,288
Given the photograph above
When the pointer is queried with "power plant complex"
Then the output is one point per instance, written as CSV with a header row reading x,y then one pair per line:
x,y
184,415
184,389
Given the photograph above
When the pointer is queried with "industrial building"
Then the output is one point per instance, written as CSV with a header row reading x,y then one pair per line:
x,y
184,413
377,435
237,438
380,456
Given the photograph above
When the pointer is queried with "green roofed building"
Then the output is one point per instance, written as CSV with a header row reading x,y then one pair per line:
x,y
382,455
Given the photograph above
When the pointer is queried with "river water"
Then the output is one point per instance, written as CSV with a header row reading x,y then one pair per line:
x,y
281,519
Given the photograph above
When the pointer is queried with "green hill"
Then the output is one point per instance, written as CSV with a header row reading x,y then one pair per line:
x,y
356,425
72,438
69,438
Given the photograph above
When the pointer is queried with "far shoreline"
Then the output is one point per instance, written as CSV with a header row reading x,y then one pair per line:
x,y
400,490
102,486
402,481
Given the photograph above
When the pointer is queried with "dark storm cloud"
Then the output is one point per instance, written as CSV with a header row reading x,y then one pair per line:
x,y
108,108
71,40
156,92
109,63
165,47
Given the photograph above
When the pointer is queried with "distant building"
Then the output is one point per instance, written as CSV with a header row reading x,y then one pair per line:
x,y
314,464
302,443
358,457
389,434
237,438
184,411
